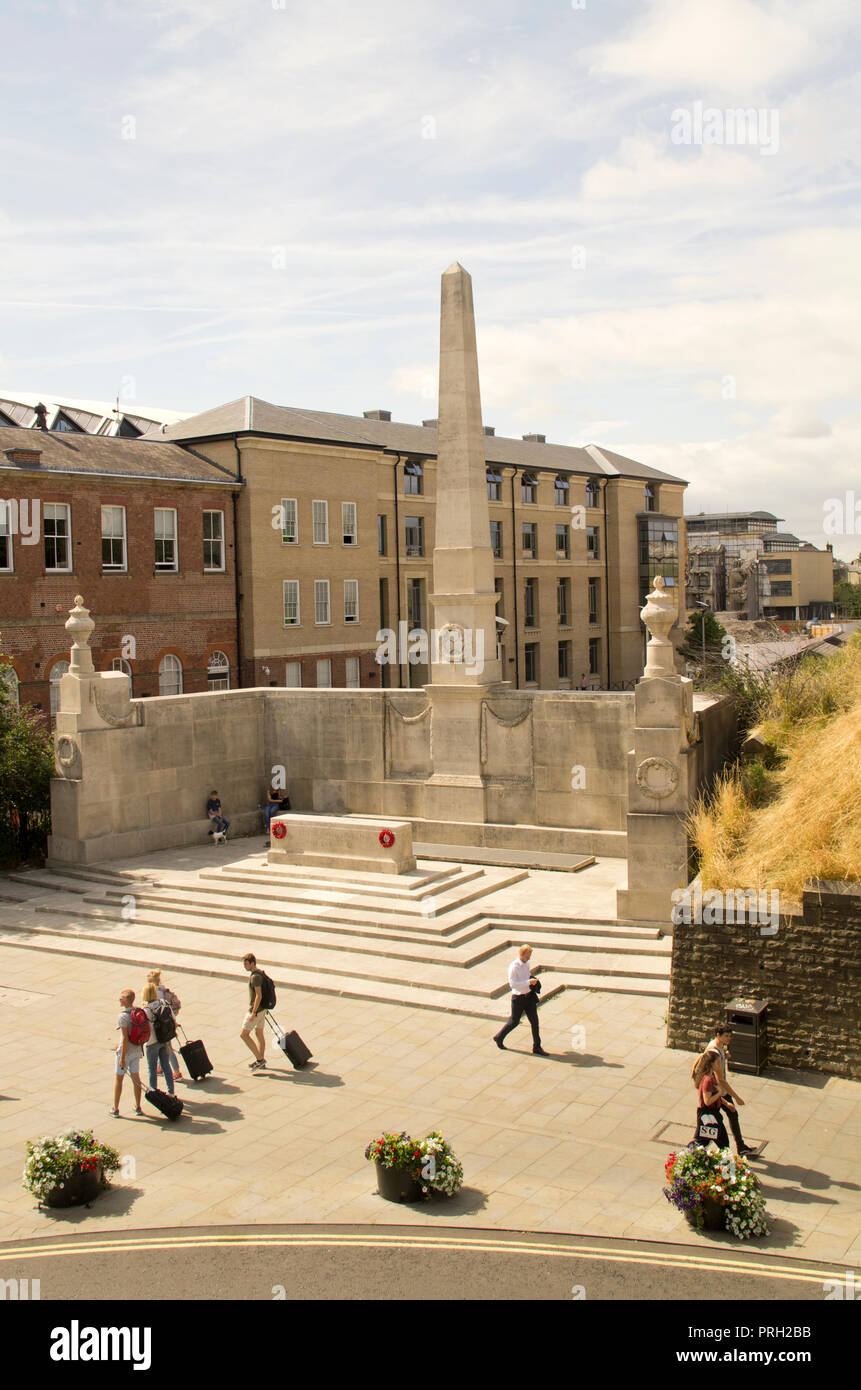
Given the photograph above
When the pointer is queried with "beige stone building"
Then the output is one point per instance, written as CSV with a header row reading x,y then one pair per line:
x,y
780,576
336,537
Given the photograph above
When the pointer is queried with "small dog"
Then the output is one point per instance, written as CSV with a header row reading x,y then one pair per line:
x,y
218,836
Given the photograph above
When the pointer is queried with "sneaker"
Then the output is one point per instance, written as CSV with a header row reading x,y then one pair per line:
x,y
115,1113
252,1066
261,1064
138,1110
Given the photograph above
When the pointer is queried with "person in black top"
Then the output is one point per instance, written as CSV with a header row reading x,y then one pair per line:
x,y
255,1019
213,811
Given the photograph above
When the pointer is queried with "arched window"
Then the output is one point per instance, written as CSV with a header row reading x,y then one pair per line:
x,y
218,672
170,675
58,670
119,663
9,679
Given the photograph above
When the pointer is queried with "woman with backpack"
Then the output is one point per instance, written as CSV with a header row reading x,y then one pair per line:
x,y
162,1030
167,996
710,1126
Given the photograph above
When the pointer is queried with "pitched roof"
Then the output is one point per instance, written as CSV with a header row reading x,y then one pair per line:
x,y
109,458
93,417
731,516
250,415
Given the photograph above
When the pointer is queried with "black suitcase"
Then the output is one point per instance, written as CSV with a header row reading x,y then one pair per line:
x,y
170,1106
195,1057
292,1046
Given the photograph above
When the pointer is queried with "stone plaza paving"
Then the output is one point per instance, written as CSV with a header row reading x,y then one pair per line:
x,y
572,1143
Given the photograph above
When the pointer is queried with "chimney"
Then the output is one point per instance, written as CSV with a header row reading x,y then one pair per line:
x,y
41,420
489,429
535,438
378,415
430,424
25,458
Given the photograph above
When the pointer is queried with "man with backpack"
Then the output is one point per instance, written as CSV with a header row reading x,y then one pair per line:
x,y
135,1031
261,1000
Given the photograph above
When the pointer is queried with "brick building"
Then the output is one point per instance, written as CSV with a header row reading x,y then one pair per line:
x,y
145,532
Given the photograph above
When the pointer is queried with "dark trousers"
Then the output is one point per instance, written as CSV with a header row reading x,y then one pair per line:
x,y
522,1004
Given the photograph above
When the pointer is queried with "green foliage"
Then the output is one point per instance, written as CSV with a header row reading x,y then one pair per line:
x,y
26,769
52,1160
757,783
847,597
715,632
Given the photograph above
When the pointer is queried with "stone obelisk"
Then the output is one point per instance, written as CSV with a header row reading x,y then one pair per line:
x,y
464,664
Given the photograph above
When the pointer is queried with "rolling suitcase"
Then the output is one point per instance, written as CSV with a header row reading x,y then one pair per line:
x,y
170,1106
292,1046
195,1058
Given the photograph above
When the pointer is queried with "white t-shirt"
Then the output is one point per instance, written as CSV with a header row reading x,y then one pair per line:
x,y
124,1021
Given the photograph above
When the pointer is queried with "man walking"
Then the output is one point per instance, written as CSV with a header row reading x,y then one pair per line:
x,y
255,1019
130,1050
729,1099
524,1000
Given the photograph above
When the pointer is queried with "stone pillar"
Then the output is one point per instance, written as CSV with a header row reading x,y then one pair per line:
x,y
92,705
463,657
661,774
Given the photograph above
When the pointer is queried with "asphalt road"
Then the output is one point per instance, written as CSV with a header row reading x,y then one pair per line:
x,y
394,1263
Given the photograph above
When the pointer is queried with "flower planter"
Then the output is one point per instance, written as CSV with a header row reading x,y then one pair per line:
x,y
713,1214
81,1187
397,1184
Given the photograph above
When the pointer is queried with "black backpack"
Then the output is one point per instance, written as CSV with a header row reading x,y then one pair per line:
x,y
164,1024
268,997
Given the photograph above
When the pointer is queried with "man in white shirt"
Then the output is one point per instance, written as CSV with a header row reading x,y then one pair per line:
x,y
524,1000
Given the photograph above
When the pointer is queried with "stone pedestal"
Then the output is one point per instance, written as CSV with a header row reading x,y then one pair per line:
x,y
363,844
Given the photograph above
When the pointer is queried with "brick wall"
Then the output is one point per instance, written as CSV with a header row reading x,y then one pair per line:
x,y
809,972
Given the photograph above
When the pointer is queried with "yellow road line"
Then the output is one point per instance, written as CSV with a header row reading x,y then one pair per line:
x,y
482,1245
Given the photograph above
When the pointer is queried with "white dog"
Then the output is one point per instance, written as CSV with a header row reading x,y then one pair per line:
x,y
218,836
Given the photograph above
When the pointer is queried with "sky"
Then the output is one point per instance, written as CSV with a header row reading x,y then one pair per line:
x,y
213,198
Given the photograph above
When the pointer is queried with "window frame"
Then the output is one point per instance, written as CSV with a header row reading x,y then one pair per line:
x,y
6,521
414,551
316,524
529,552
67,507
286,538
348,537
220,540
284,618
414,469
496,539
319,585
351,618
160,567
172,657
325,661
225,667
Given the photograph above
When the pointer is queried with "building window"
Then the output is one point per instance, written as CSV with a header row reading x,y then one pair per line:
x,y
63,425
594,654
564,661
291,602
9,685
659,553
57,528
120,664
563,603
531,663
496,539
415,603
113,538
349,533
500,605
5,536
213,541
563,542
530,540
781,588
561,489
58,670
218,672
320,514
170,675
351,600
649,498
593,488
353,673
289,521
384,603
778,566
165,538
293,675
322,608
415,535
324,674
593,601
529,488
413,478
530,603
382,547
593,547
494,485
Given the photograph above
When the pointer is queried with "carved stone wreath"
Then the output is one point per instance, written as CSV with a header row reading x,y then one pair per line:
x,y
657,777
68,755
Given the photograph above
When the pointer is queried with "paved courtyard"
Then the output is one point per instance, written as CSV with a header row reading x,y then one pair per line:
x,y
573,1143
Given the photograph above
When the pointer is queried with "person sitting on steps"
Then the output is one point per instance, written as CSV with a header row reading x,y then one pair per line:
x,y
213,811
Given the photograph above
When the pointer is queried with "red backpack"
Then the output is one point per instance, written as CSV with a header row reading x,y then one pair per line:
x,y
139,1029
